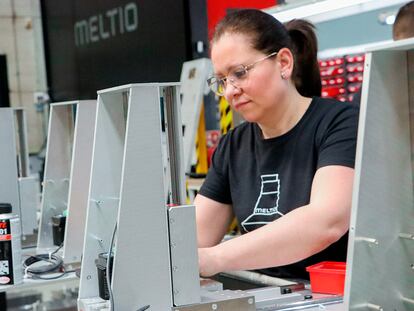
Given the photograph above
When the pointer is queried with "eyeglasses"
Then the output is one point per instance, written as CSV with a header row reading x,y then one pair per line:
x,y
235,77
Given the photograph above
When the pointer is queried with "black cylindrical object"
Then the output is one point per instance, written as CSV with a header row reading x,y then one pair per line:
x,y
58,229
101,263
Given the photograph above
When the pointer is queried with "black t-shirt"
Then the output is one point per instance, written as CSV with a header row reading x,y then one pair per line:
x,y
264,179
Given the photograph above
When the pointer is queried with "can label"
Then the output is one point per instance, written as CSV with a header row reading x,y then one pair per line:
x,y
10,253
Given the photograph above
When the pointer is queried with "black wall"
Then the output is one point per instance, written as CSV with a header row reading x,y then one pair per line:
x,y
88,49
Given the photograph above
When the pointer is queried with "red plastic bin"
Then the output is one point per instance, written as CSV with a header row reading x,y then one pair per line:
x,y
327,277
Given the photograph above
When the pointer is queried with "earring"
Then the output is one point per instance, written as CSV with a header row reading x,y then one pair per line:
x,y
283,76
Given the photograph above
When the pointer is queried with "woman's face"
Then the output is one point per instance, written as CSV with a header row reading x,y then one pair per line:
x,y
258,94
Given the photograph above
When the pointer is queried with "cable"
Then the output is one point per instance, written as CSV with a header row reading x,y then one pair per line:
x,y
56,250
53,262
108,272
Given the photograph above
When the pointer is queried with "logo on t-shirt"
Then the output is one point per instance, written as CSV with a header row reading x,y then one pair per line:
x,y
267,203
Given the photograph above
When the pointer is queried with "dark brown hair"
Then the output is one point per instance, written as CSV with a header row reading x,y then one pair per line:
x,y
404,22
268,35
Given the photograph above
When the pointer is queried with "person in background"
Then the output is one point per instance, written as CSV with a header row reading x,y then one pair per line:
x,y
403,27
287,172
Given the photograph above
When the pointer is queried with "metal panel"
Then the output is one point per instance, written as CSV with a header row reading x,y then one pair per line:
x,y
176,168
229,304
128,175
5,8
103,198
184,259
9,188
410,69
21,192
380,256
141,273
79,180
28,186
23,157
29,199
57,170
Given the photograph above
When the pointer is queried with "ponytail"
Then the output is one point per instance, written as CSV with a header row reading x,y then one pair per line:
x,y
306,75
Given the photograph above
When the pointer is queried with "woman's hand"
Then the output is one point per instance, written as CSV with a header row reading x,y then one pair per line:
x,y
208,261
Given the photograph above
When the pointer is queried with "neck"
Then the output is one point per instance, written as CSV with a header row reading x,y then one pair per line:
x,y
286,115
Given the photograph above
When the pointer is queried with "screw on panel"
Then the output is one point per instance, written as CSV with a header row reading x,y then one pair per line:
x,y
214,306
88,277
408,300
100,241
250,301
98,202
408,236
370,241
372,306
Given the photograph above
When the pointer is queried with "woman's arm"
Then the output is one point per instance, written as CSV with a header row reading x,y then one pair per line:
x,y
213,219
299,234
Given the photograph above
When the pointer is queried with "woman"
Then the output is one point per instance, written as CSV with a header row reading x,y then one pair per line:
x,y
286,173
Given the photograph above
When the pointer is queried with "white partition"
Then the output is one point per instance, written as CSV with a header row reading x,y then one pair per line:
x,y
67,174
17,187
380,269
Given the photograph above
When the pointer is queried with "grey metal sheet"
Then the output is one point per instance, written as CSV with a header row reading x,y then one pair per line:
x,y
9,188
79,180
184,257
142,274
22,142
103,198
29,201
175,177
231,304
57,171
380,273
16,187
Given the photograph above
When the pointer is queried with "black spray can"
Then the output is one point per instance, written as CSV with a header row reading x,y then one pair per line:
x,y
10,247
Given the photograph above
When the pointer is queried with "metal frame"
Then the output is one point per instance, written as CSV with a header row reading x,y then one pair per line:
x,y
17,187
79,180
128,189
194,75
380,274
67,174
155,259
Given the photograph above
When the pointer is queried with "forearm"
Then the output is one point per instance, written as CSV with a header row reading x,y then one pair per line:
x,y
293,237
212,219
